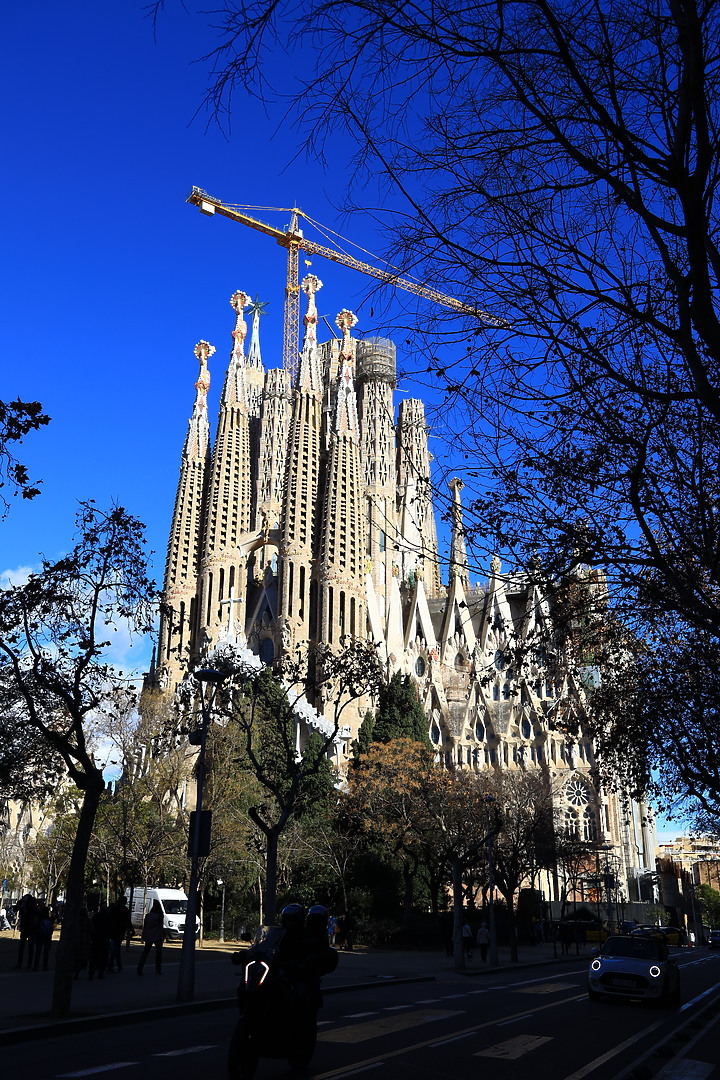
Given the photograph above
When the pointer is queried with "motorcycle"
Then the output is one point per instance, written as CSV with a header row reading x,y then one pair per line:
x,y
278,997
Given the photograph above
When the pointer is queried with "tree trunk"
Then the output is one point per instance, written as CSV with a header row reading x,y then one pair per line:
x,y
408,891
271,876
458,911
512,927
74,900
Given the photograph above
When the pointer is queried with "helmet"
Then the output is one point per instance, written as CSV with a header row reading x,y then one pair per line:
x,y
293,915
316,923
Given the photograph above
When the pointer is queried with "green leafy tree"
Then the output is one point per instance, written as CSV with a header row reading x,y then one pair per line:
x,y
525,835
709,903
54,678
399,715
271,715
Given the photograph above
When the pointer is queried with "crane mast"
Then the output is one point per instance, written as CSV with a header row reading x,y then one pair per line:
x,y
293,241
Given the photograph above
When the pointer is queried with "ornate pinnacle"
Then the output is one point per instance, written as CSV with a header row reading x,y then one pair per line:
x,y
345,321
310,285
203,351
238,302
346,415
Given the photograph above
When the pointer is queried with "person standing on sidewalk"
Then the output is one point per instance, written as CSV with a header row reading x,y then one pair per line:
x,y
152,934
27,925
483,940
100,943
120,927
43,937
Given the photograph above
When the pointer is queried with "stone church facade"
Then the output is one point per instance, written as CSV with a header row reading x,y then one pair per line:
x,y
310,519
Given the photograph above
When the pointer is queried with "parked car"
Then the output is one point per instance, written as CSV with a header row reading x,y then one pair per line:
x,y
671,935
713,939
635,967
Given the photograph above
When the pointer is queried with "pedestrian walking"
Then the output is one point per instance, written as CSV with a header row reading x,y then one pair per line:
x,y
43,937
120,927
349,927
467,936
566,935
27,925
100,943
483,940
152,934
83,940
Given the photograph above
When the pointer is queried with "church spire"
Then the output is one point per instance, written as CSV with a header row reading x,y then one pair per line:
x,y
230,488
341,557
235,390
256,308
300,494
178,619
458,550
309,369
346,418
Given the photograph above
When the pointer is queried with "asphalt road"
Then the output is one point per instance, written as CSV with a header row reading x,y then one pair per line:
x,y
515,1025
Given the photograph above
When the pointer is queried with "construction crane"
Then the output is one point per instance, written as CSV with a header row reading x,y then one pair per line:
x,y
294,242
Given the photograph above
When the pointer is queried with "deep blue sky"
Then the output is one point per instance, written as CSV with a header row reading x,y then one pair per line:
x,y
109,278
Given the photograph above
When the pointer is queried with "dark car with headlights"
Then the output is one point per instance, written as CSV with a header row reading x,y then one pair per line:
x,y
713,939
639,968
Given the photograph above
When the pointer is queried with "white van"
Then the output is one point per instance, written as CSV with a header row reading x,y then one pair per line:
x,y
172,901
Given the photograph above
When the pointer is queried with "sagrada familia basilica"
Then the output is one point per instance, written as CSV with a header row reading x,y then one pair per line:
x,y
311,518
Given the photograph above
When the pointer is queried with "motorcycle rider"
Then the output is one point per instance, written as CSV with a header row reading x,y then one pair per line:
x,y
304,953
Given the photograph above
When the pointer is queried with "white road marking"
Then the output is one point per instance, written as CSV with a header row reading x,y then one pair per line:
x,y
365,1068
514,1048
355,1016
456,1038
593,1065
546,988
514,1019
101,1069
187,1050
394,1008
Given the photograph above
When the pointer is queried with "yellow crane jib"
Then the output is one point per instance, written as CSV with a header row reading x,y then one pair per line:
x,y
293,240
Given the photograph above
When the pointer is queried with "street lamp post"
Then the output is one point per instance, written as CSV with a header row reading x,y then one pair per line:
x,y
222,911
208,681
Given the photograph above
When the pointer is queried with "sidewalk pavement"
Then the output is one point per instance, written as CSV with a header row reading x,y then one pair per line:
x,y
25,996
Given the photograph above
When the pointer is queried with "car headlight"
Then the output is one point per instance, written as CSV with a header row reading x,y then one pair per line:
x,y
596,965
655,971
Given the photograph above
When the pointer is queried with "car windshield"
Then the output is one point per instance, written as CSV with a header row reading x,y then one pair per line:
x,y
175,907
636,947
